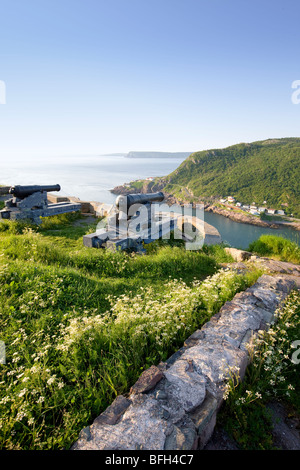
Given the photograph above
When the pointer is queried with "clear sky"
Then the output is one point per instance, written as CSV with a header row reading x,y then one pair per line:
x,y
95,76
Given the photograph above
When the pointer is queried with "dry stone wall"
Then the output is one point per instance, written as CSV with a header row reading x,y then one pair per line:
x,y
174,406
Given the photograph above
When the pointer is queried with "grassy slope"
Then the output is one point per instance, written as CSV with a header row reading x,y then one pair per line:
x,y
53,290
276,248
267,170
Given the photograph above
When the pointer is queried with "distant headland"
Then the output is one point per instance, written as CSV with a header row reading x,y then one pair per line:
x,y
145,154
134,154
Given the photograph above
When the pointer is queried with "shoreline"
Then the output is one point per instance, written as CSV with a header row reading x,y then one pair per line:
x,y
208,207
234,216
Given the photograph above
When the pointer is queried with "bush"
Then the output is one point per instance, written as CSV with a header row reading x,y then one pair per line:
x,y
278,247
272,375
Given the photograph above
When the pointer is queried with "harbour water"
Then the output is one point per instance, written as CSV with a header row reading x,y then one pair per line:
x,y
241,235
91,177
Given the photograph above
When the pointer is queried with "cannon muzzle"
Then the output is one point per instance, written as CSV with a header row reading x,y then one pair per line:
x,y
131,199
24,191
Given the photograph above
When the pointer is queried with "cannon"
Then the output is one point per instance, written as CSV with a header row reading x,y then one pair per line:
x,y
30,202
132,224
131,199
24,191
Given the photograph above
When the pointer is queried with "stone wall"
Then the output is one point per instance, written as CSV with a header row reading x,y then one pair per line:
x,y
97,209
174,406
4,190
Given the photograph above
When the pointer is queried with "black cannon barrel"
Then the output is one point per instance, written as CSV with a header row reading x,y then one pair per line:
x,y
24,191
127,201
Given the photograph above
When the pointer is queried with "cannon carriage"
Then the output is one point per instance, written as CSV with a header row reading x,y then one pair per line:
x,y
131,224
31,202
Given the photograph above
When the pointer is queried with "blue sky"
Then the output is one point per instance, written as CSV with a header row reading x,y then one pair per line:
x,y
94,76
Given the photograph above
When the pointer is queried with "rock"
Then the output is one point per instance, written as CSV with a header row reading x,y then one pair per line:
x,y
132,432
185,385
276,266
212,360
238,255
183,437
113,413
193,339
235,321
239,267
147,381
174,357
204,418
85,434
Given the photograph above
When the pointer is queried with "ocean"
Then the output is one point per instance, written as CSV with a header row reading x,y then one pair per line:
x,y
91,177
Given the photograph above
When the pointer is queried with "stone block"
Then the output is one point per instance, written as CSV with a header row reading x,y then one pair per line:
x,y
203,415
147,380
204,419
193,339
214,360
113,413
238,255
182,437
185,385
140,428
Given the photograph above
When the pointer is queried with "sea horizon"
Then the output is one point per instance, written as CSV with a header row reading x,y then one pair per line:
x,y
88,177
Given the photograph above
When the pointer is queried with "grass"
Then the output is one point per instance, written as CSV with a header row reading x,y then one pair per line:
x,y
80,325
273,375
276,247
272,218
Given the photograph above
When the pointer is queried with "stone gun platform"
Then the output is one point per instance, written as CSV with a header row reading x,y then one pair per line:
x,y
31,202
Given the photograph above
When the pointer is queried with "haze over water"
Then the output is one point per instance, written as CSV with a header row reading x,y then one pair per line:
x,y
88,177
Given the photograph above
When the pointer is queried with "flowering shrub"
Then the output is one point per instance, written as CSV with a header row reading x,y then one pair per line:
x,y
62,370
272,374
80,325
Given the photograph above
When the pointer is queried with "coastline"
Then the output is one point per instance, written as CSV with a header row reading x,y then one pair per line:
x,y
230,214
151,186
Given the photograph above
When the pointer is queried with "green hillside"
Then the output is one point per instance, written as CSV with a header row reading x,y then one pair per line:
x,y
256,172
